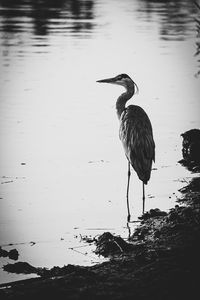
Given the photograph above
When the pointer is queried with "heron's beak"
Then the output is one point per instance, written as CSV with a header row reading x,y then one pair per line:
x,y
108,80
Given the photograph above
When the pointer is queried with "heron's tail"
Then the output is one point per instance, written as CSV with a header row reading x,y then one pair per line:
x,y
143,169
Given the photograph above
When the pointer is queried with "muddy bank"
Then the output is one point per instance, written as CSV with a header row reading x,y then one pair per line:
x,y
161,260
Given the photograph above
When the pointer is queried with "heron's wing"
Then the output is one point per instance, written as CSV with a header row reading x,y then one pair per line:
x,y
137,138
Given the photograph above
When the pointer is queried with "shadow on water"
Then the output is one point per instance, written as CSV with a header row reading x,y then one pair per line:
x,y
76,18
198,38
174,17
46,16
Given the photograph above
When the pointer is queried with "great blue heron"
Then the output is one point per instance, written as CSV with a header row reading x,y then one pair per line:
x,y
135,133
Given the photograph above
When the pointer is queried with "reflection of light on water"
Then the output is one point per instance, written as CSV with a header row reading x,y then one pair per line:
x,y
60,150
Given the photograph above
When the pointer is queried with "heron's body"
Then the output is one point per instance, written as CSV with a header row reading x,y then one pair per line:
x,y
135,133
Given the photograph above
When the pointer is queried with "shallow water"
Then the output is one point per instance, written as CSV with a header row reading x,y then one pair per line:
x,y
62,168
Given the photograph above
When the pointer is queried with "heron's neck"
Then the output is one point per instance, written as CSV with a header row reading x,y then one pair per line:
x,y
123,98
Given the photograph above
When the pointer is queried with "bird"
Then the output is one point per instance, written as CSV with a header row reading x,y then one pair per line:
x,y
135,133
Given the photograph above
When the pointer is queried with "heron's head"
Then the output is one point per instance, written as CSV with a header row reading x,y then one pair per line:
x,y
122,79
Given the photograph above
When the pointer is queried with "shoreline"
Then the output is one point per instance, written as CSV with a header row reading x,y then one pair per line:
x,y
160,260
161,264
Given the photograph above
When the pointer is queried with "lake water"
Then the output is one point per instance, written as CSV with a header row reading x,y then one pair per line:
x,y
63,171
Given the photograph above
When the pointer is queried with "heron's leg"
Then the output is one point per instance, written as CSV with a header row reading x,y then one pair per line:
x,y
143,197
129,230
127,192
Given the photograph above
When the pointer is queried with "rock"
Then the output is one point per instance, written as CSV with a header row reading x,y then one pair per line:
x,y
191,145
20,267
108,245
3,253
13,254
